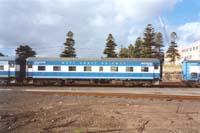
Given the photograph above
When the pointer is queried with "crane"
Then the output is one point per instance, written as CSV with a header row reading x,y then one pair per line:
x,y
163,26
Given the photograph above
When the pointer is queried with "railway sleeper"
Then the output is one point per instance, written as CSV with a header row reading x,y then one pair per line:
x,y
192,83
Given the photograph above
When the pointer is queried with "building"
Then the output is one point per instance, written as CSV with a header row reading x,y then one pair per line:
x,y
190,52
187,52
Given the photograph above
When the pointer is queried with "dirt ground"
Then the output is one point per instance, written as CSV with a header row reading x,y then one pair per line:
x,y
24,112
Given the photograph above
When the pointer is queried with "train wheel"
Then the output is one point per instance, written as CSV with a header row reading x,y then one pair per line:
x,y
128,84
147,84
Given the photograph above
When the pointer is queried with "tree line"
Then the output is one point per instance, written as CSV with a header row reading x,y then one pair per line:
x,y
149,46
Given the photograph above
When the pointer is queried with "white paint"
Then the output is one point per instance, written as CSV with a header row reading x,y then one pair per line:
x,y
194,69
121,69
95,69
79,68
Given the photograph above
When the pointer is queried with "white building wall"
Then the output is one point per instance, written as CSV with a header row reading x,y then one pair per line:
x,y
191,51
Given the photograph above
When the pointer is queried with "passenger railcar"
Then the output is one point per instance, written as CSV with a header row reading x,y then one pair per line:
x,y
69,70
191,72
9,70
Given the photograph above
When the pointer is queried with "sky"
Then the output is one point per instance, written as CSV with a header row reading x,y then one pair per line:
x,y
43,24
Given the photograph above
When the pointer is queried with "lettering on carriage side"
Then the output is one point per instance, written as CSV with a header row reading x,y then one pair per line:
x,y
39,62
146,63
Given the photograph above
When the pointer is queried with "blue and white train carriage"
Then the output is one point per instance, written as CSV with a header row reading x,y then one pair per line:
x,y
9,70
191,72
67,70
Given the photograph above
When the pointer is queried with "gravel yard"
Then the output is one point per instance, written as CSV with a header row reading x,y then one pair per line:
x,y
25,112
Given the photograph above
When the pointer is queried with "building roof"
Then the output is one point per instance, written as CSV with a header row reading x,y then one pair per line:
x,y
192,61
6,58
93,59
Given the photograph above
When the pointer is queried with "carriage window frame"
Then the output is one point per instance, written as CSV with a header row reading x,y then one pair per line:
x,y
87,68
30,66
129,69
56,68
101,69
144,69
114,68
72,68
1,67
12,65
41,68
194,75
156,67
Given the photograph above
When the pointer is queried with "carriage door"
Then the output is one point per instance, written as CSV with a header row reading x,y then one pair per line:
x,y
199,73
11,71
29,71
156,70
8,69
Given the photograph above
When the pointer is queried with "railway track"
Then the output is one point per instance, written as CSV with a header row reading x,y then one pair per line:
x,y
168,97
161,85
123,92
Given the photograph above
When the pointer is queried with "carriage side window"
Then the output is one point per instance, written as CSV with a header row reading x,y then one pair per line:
x,y
114,69
100,69
12,65
1,67
144,69
156,67
194,75
72,68
30,65
41,68
129,69
56,68
87,68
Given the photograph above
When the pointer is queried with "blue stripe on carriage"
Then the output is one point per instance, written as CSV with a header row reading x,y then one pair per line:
x,y
7,73
93,75
93,63
186,73
188,76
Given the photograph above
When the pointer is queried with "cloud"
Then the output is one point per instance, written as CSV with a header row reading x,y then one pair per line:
x,y
143,9
47,19
43,24
189,32
97,21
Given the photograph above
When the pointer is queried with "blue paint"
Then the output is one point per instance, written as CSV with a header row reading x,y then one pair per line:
x,y
186,74
93,75
7,74
93,63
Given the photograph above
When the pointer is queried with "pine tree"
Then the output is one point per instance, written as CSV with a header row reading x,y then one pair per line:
x,y
69,50
124,53
149,36
159,52
109,51
131,51
1,54
25,51
139,48
172,51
